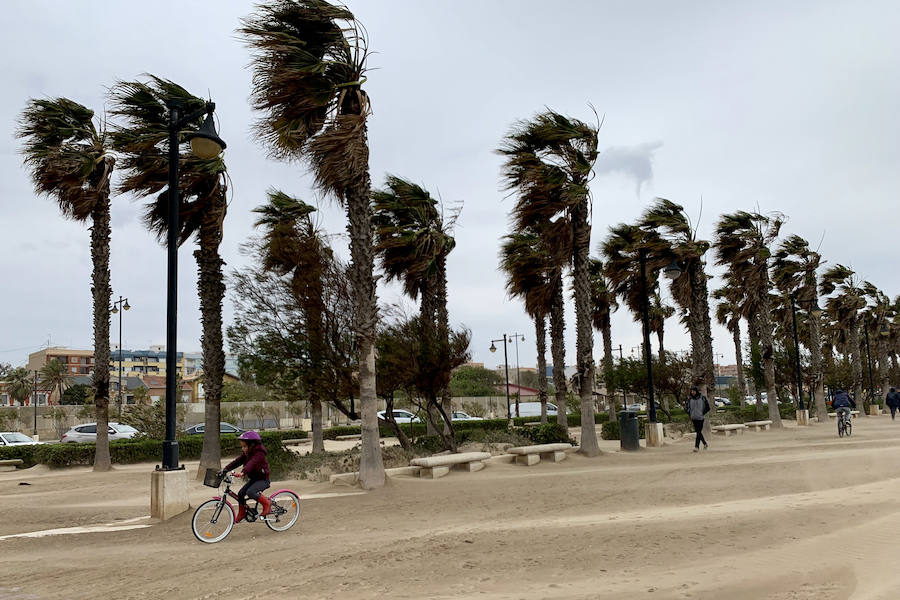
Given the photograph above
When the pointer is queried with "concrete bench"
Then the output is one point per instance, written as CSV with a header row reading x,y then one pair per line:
x,y
10,464
532,455
726,430
853,413
758,425
295,442
438,466
352,436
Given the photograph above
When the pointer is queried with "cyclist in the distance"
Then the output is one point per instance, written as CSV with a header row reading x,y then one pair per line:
x,y
256,468
842,404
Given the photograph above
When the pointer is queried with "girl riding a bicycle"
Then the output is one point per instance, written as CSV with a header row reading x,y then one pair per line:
x,y
256,469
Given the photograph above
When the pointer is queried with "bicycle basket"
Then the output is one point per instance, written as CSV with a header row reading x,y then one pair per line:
x,y
212,478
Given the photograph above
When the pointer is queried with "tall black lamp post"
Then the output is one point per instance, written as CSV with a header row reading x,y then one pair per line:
x,y
123,303
517,336
34,400
673,271
816,312
869,361
205,144
506,365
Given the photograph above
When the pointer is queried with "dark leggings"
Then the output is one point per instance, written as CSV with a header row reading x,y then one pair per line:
x,y
252,489
893,410
698,427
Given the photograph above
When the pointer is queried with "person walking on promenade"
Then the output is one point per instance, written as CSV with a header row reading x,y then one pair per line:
x,y
893,401
698,406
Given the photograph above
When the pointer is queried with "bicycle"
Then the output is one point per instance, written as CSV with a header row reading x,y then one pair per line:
x,y
214,519
845,427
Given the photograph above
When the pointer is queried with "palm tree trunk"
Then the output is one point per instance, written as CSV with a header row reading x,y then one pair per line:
x,y
662,363
102,292
768,352
540,335
584,340
359,226
753,333
818,373
211,289
856,363
318,445
606,332
443,333
558,350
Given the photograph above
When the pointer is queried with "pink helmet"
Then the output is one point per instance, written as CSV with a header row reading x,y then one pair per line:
x,y
250,436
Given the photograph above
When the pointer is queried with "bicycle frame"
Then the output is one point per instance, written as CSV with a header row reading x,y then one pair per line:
x,y
229,493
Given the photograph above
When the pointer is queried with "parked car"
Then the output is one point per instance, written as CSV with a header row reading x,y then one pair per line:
x,y
722,402
532,409
88,433
400,416
458,415
636,407
223,428
14,438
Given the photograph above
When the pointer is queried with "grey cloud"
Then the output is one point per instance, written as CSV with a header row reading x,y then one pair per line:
x,y
635,162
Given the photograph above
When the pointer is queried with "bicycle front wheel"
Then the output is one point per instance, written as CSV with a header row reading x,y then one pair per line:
x,y
848,428
285,511
213,520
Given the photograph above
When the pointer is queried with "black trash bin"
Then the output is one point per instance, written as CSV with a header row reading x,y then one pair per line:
x,y
629,438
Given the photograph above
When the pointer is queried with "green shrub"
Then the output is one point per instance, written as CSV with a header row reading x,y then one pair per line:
x,y
549,433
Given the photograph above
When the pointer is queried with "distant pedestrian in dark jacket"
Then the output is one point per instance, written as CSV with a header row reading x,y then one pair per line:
x,y
697,407
893,401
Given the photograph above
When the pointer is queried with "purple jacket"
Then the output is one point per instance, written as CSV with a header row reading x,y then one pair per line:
x,y
256,466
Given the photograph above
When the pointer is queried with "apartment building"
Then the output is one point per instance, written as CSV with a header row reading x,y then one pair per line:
x,y
77,362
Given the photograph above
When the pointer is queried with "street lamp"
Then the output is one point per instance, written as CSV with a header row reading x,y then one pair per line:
x,y
123,302
506,365
816,312
205,144
516,337
673,271
34,400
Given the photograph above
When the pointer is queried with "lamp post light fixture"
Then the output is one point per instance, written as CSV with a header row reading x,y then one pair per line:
x,y
205,144
493,348
123,303
673,271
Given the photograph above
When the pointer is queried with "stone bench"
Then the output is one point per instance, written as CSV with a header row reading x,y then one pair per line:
x,y
296,442
853,413
433,467
532,455
352,436
10,464
726,430
758,425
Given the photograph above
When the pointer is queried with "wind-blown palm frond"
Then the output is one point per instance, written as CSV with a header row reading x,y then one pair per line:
x,y
64,153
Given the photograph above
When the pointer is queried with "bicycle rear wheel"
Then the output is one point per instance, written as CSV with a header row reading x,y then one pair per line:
x,y
848,428
284,512
213,520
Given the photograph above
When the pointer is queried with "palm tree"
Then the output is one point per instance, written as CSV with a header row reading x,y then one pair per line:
x,y
293,246
794,272
534,273
19,384
879,313
309,67
844,309
141,137
603,303
413,242
69,160
54,375
742,246
728,314
675,237
549,161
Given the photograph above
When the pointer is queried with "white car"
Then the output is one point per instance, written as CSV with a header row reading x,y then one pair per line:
x,y
458,415
14,438
400,416
88,433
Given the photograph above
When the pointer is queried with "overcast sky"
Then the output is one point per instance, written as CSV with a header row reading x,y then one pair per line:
x,y
780,106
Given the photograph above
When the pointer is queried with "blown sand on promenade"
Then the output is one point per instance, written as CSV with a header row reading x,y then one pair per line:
x,y
794,514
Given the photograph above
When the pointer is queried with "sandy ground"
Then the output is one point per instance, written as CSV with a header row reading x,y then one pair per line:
x,y
796,514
